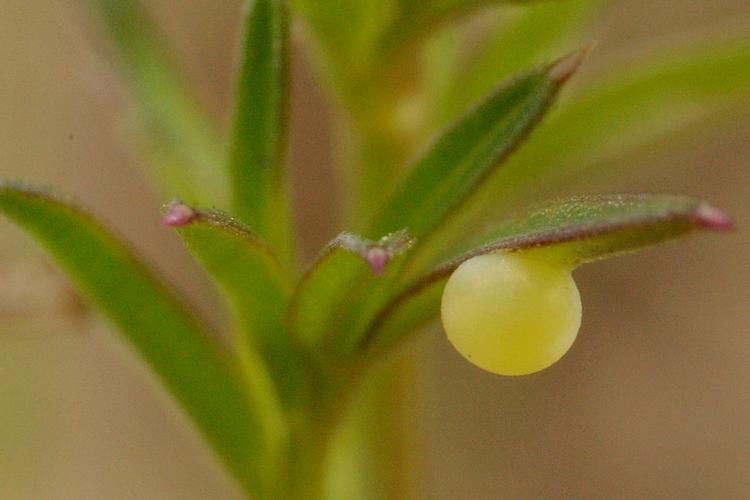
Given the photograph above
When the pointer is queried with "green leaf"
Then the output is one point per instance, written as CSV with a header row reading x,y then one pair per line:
x,y
253,283
586,229
470,150
568,233
526,36
445,7
207,382
336,282
408,314
257,156
642,103
179,141
414,18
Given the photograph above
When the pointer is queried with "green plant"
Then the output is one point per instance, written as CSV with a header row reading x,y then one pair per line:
x,y
271,402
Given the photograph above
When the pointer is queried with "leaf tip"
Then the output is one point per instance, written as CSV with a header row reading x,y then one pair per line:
x,y
178,214
711,218
377,258
378,254
562,69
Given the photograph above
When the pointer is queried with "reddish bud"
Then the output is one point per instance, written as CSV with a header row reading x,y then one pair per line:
x,y
178,214
712,218
378,259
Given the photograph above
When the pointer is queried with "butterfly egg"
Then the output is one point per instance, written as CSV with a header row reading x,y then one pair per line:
x,y
510,314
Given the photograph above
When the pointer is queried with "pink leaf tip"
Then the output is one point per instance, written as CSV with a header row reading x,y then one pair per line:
x,y
178,214
562,69
378,259
712,218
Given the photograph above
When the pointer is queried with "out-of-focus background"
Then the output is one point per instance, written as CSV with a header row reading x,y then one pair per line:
x,y
653,401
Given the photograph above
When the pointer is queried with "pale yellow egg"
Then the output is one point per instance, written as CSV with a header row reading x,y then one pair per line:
x,y
510,314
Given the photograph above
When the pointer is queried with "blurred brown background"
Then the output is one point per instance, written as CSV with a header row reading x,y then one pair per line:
x,y
652,402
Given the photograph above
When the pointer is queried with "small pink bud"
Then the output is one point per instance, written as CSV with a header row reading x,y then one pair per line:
x,y
714,219
378,259
178,214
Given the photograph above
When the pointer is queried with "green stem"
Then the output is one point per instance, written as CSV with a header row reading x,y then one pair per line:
x,y
370,162
369,441
307,467
314,430
385,431
378,433
375,137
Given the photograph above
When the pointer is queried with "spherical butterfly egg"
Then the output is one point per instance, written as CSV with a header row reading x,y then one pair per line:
x,y
510,314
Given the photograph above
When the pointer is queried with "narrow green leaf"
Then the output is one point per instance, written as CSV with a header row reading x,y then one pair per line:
x,y
415,18
448,6
586,229
470,150
253,283
257,156
168,337
642,103
408,314
432,11
569,233
243,265
179,141
529,35
332,287
325,286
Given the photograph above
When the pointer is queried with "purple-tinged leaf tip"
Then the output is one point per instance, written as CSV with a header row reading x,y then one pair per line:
x,y
377,254
378,259
178,214
713,219
562,69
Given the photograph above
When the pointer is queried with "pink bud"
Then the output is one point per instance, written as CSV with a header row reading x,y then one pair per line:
x,y
178,214
378,260
712,218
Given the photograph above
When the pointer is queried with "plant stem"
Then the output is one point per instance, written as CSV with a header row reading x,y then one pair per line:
x,y
314,431
307,453
368,437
